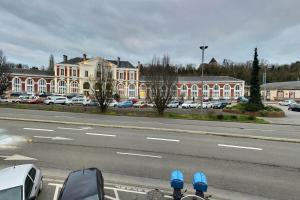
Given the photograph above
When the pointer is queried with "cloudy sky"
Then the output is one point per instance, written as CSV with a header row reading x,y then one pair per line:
x,y
135,30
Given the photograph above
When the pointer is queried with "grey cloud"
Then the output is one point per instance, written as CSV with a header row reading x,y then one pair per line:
x,y
138,29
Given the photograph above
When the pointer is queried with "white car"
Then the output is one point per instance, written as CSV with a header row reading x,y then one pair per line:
x,y
205,105
21,182
189,104
173,104
140,104
287,102
78,100
114,103
56,100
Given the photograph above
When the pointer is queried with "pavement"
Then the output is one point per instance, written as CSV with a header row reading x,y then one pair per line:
x,y
291,118
237,168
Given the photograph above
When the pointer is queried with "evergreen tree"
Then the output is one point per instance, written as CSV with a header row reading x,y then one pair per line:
x,y
51,64
255,97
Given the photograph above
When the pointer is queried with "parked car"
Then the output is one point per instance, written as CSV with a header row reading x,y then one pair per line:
x,y
78,100
205,105
27,98
218,104
242,100
125,104
90,102
173,104
86,184
226,101
114,103
140,104
43,94
16,94
20,182
189,104
56,100
134,100
35,101
287,102
3,99
151,105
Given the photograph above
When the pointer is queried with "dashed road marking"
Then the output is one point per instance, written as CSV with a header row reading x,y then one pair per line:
x,y
38,129
136,154
239,147
101,134
52,138
163,139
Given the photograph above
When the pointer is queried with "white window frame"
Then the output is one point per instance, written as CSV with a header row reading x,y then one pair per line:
x,y
29,86
237,92
131,92
131,75
194,91
52,86
42,88
184,92
227,91
62,89
121,91
216,92
86,73
16,84
74,72
121,73
62,71
205,90
74,87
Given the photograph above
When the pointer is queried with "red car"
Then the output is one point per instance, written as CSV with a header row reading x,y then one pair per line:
x,y
35,101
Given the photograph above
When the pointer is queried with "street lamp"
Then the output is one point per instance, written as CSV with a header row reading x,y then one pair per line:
x,y
202,63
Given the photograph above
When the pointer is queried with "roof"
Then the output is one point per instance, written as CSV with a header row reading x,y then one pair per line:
x,y
199,78
123,64
80,184
14,176
30,71
73,61
213,61
289,85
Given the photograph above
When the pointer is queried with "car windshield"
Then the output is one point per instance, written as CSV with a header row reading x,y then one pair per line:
x,y
11,193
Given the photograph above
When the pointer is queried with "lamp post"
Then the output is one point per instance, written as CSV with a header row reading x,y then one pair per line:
x,y
203,47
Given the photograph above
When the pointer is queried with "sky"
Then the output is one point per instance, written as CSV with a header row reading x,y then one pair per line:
x,y
136,30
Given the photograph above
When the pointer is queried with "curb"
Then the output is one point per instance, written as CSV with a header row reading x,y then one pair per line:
x,y
275,139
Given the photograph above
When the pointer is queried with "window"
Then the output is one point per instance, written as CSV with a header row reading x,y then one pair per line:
x,y
62,72
28,187
237,91
131,90
121,90
16,87
86,86
62,87
205,91
29,86
121,75
86,74
52,86
216,92
226,91
74,72
32,173
195,91
143,90
183,91
74,87
42,86
131,76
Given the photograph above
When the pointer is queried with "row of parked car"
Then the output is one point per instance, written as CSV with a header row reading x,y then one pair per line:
x,y
25,182
292,104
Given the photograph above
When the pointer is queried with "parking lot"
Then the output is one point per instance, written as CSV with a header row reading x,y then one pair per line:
x,y
51,189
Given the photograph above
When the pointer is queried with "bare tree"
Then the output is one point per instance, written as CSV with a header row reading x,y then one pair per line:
x,y
162,79
103,85
4,74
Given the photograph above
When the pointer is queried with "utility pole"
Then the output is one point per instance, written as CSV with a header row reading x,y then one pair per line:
x,y
265,84
203,47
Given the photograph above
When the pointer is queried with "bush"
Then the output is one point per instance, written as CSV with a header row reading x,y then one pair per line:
x,y
253,107
220,117
252,118
233,117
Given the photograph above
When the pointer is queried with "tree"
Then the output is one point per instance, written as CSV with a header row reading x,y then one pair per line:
x,y
162,79
4,74
255,97
51,64
103,85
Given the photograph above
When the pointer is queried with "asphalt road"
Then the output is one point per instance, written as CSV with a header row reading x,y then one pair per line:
x,y
233,165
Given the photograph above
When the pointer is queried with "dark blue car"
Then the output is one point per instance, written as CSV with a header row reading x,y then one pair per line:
x,y
86,184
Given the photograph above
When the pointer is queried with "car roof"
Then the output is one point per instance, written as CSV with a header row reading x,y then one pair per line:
x,y
14,176
80,184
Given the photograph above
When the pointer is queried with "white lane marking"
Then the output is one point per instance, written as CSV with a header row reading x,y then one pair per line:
x,y
74,129
240,147
57,187
38,129
136,154
163,139
52,138
100,134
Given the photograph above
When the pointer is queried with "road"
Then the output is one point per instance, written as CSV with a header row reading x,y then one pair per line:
x,y
234,166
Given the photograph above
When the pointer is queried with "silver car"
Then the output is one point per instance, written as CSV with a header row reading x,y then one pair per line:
x,y
21,182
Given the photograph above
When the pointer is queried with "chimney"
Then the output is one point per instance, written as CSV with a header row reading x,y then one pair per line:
x,y
65,58
118,63
139,65
84,56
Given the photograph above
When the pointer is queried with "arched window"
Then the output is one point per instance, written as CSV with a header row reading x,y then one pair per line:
x,y
16,85
62,87
183,91
120,89
216,92
74,87
205,90
86,86
29,86
227,91
42,86
237,91
52,86
194,91
131,90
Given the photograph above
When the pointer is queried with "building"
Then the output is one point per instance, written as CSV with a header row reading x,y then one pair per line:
x,y
190,87
278,91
